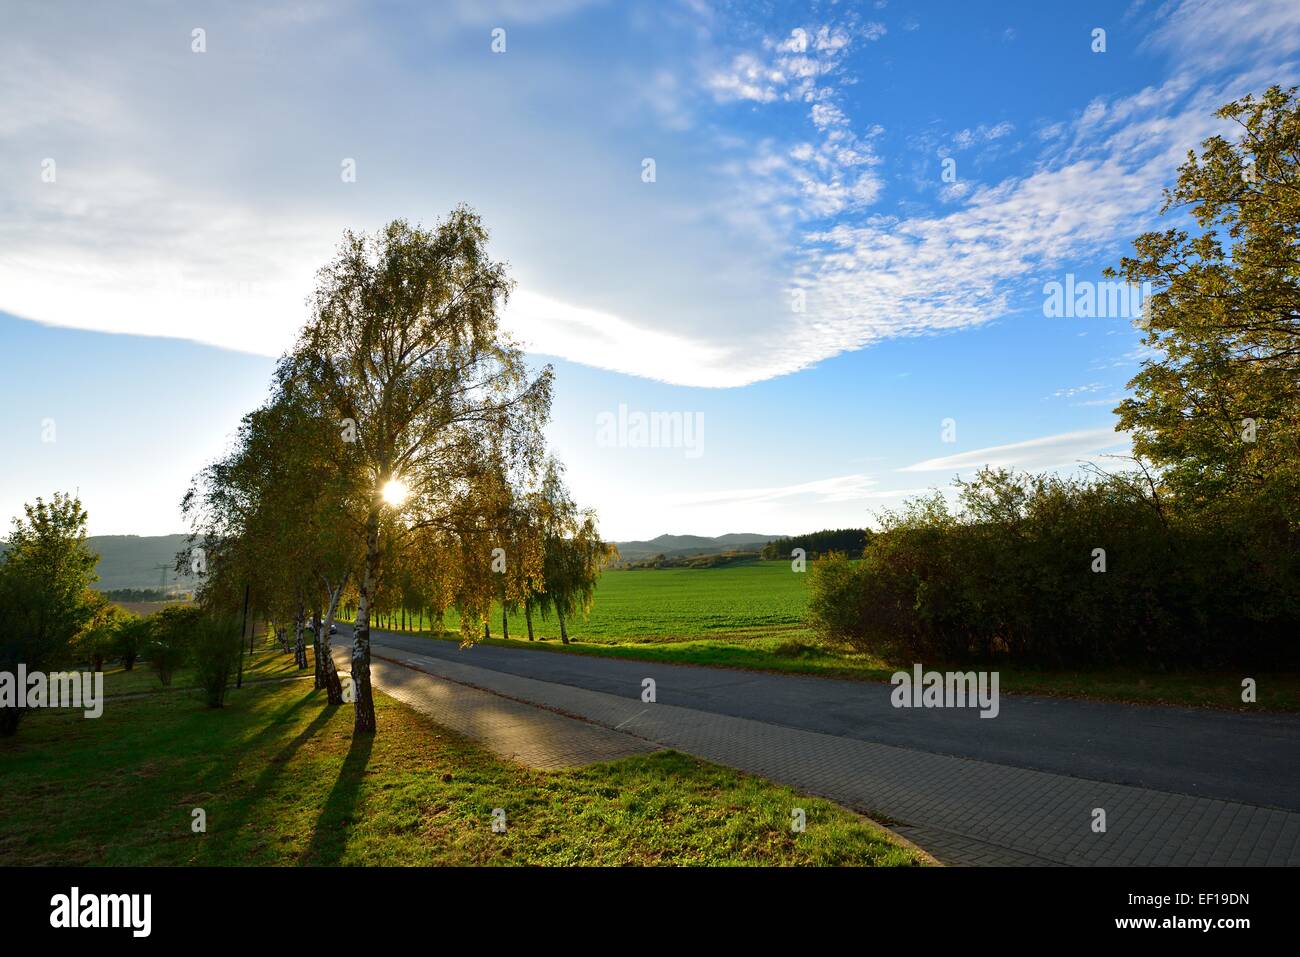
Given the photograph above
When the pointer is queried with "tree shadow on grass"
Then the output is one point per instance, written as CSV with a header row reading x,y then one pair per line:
x,y
275,765
329,837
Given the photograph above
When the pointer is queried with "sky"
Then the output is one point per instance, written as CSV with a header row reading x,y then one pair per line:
x,y
821,235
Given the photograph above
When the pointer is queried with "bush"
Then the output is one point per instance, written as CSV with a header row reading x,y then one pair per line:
x,y
130,639
94,643
1010,576
170,640
215,653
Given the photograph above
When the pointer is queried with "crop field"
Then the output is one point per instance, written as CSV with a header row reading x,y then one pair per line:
x,y
756,599
752,616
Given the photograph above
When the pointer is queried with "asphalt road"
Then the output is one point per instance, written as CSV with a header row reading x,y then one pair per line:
x,y
1249,758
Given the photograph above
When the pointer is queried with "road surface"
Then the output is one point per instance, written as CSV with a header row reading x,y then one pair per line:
x,y
1177,785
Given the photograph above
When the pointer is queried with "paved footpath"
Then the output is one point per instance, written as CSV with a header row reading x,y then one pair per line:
x,y
1177,786
532,736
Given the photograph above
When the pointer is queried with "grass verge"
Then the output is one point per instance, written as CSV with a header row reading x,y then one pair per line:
x,y
142,679
282,781
800,654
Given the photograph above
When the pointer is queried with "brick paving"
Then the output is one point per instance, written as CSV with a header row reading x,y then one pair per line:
x,y
524,733
964,811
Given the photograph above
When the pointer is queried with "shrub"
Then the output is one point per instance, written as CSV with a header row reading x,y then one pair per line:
x,y
1010,575
94,642
215,649
130,639
170,640
837,596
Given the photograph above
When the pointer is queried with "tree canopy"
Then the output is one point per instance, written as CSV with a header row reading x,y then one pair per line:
x,y
45,596
1217,407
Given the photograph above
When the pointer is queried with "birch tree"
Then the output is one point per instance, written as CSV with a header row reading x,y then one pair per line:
x,y
269,513
404,347
574,553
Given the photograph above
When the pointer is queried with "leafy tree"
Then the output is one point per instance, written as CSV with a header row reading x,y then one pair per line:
x,y
130,637
1218,407
574,553
523,551
174,632
269,515
404,348
215,645
850,541
97,639
45,597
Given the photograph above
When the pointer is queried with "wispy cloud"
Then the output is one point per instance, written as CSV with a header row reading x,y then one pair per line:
x,y
163,222
1216,31
1048,452
965,139
843,488
1072,391
838,489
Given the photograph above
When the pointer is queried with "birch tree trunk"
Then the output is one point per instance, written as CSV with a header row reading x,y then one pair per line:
x,y
299,643
365,703
329,674
318,669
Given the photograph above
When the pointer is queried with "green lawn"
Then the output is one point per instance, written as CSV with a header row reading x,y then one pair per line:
x,y
260,666
751,616
283,782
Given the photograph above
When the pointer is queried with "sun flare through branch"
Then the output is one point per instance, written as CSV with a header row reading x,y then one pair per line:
x,y
395,492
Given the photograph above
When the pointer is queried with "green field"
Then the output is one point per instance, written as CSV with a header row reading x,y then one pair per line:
x,y
751,616
676,604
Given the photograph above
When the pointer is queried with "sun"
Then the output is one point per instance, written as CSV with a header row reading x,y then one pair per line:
x,y
395,492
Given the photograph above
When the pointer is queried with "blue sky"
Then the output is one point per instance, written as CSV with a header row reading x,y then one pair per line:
x,y
800,275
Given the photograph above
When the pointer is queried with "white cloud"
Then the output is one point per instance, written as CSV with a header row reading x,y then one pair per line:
x,y
804,180
874,31
1072,391
889,276
965,139
1048,452
163,222
843,488
1217,31
837,490
788,69
747,79
601,339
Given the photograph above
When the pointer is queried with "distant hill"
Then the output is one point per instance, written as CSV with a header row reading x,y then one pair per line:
x,y
133,561
679,546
